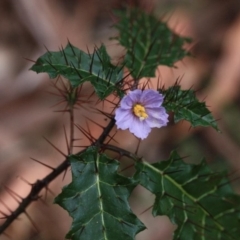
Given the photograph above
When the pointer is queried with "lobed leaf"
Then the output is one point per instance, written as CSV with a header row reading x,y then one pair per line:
x,y
199,201
185,106
148,43
79,67
96,199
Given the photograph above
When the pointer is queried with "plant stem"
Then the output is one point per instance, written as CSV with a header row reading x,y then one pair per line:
x,y
40,184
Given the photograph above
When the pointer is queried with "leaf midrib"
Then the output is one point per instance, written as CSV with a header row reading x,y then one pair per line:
x,y
80,70
175,105
100,197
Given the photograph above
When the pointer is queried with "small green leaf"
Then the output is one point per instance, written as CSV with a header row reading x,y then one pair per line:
x,y
97,199
148,42
79,67
199,201
186,106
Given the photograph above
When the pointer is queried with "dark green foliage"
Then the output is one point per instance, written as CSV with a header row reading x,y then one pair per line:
x,y
148,43
96,199
185,106
79,67
199,201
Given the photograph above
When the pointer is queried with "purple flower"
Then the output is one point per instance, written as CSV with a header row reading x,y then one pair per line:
x,y
140,111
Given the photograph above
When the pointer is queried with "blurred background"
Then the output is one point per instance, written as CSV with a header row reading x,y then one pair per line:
x,y
27,100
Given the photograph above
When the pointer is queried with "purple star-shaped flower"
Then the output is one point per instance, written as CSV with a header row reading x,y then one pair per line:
x,y
140,111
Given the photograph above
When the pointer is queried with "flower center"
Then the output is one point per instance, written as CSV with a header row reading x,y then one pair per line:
x,y
140,111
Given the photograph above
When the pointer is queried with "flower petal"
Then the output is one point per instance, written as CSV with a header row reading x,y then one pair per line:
x,y
121,114
154,122
126,102
157,117
151,98
124,118
156,112
139,128
135,95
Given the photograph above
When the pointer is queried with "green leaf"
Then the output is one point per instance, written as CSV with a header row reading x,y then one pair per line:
x,y
199,201
148,43
186,106
79,67
96,199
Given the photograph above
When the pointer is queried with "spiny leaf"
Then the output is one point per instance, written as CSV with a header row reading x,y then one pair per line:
x,y
148,42
96,199
78,67
186,106
199,201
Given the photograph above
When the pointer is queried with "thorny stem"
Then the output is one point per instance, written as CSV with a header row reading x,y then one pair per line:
x,y
106,132
34,193
71,110
40,184
135,84
121,151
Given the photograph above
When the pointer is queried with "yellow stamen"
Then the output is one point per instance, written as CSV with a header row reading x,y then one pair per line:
x,y
140,111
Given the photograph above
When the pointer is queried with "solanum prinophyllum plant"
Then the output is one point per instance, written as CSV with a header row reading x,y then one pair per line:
x,y
200,202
